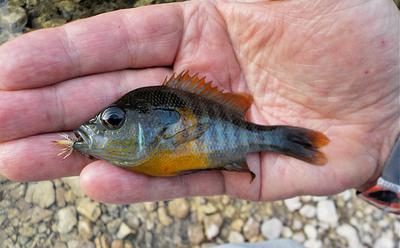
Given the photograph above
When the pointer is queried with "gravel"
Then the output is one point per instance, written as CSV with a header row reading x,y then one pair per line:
x,y
57,214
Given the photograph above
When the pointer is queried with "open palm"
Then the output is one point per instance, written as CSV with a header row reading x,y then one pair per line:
x,y
332,66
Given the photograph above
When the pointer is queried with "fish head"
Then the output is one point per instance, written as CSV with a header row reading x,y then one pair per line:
x,y
115,135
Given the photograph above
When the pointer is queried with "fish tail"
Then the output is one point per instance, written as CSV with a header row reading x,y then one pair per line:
x,y
295,142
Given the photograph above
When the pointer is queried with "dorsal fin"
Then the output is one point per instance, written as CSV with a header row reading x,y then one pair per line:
x,y
184,81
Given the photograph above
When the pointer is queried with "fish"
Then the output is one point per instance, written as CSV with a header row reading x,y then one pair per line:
x,y
183,126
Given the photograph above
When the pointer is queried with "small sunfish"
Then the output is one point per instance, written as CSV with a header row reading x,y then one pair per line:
x,y
186,125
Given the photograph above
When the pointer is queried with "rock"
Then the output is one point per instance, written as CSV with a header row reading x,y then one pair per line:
x,y
117,243
40,214
312,243
41,194
271,229
113,225
251,229
326,212
15,20
66,219
237,225
59,244
26,231
350,234
209,208
310,231
102,242
85,229
80,244
88,208
235,237
60,196
287,232
297,224
178,208
74,185
212,225
150,206
124,230
293,204
299,237
196,234
308,211
384,242
163,217
229,211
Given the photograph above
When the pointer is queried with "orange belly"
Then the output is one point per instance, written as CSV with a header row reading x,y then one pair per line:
x,y
170,163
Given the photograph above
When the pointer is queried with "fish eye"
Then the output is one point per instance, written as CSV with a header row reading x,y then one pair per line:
x,y
112,118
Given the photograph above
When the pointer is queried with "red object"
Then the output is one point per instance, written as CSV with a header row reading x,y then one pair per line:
x,y
384,199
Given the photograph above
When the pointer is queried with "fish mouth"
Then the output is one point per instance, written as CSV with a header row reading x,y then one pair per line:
x,y
82,135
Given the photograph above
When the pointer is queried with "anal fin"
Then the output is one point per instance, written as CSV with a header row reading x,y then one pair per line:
x,y
240,166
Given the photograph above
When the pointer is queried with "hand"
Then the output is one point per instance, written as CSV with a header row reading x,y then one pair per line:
x,y
332,66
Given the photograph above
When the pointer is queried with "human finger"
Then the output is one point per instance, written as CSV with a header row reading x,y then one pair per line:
x,y
133,38
66,105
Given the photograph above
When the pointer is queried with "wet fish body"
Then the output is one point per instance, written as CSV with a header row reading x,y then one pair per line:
x,y
187,125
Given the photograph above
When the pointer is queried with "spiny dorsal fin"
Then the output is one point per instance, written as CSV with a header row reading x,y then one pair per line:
x,y
184,81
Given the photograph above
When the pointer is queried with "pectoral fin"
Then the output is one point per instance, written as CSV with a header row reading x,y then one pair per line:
x,y
185,135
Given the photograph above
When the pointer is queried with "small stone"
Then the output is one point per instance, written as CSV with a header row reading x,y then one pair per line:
x,y
209,208
88,208
350,234
293,204
229,211
102,242
235,237
40,214
178,208
41,194
251,229
84,229
287,232
59,244
60,196
384,242
128,244
66,219
117,243
297,225
312,243
15,20
150,206
196,234
237,225
212,225
124,230
113,225
310,231
74,185
163,217
26,231
299,237
308,211
326,212
80,244
271,229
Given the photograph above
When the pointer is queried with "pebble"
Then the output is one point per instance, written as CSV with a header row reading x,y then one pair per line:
x,y
84,229
251,229
293,204
271,229
101,242
196,234
308,211
41,194
16,19
299,237
124,230
66,219
312,243
237,225
74,185
88,208
310,231
80,244
40,214
326,212
163,217
350,234
178,208
117,243
212,225
384,242
235,237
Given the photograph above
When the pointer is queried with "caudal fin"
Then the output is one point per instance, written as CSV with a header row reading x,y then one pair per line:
x,y
300,143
